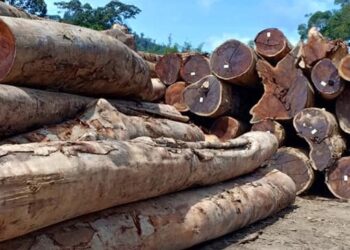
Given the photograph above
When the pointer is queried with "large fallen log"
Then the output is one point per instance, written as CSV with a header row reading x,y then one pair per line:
x,y
11,11
272,45
46,183
337,179
320,130
234,62
174,96
326,80
194,68
210,97
176,221
101,121
227,128
273,127
294,163
286,91
168,68
53,55
342,110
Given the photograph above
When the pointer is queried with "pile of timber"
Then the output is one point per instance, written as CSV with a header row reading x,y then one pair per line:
x,y
106,147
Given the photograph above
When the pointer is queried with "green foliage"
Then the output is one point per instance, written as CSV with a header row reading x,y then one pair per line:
x,y
35,7
332,24
100,18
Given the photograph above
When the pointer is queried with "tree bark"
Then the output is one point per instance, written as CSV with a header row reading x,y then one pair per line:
x,y
344,68
194,68
176,221
294,163
174,96
168,68
286,91
337,179
235,62
342,110
320,130
127,39
227,128
209,97
46,183
273,127
326,80
154,58
52,55
101,121
272,45
11,11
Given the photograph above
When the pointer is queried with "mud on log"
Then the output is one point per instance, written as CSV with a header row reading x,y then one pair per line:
x,y
194,68
227,128
294,163
337,179
272,45
234,62
273,127
286,91
53,55
174,96
47,183
101,121
152,224
168,68
326,79
210,97
320,130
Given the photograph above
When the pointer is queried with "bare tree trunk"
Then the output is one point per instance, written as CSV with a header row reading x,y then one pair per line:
x,y
102,121
326,79
273,127
287,91
320,130
46,183
342,109
272,45
235,62
11,11
52,55
174,96
209,97
337,179
178,221
194,68
227,128
168,68
294,163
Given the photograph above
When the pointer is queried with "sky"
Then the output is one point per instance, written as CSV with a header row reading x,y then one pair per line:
x,y
214,21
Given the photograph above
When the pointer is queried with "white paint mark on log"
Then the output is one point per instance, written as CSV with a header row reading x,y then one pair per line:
x,y
314,131
226,66
201,100
268,34
346,178
323,83
193,73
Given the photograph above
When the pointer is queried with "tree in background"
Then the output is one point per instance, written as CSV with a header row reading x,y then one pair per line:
x,y
35,7
332,24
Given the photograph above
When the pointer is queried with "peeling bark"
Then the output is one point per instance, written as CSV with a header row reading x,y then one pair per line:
x,y
46,183
192,216
101,121
337,179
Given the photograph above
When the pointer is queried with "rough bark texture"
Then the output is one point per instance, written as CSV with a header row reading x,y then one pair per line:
x,y
46,183
286,91
69,58
153,109
157,91
342,109
344,68
273,127
11,11
235,62
154,58
127,39
176,221
226,128
102,121
320,129
337,179
168,68
194,68
210,97
295,163
174,96
272,45
326,79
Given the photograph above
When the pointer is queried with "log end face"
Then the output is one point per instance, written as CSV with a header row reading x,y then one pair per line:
x,y
338,179
270,43
174,96
195,68
226,128
342,109
344,68
7,50
168,68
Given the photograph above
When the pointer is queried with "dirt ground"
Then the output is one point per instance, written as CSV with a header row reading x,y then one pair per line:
x,y
311,223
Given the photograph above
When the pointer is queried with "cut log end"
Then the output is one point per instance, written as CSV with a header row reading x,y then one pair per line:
x,y
7,50
174,96
338,179
344,68
326,79
296,165
272,44
234,62
226,128
342,109
273,127
194,68
168,68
